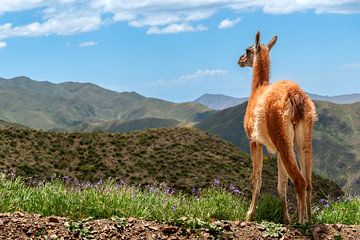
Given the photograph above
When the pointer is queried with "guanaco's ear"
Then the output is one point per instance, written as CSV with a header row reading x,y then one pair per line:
x,y
257,41
272,42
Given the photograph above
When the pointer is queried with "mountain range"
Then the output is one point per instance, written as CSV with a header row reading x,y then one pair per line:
x,y
220,101
45,105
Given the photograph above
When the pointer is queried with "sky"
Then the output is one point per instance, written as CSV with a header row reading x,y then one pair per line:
x,y
178,50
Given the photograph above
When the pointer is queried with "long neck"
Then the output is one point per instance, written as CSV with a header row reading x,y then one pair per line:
x,y
261,70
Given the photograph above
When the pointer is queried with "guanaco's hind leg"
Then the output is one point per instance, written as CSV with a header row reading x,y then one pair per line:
x,y
303,136
282,134
282,188
257,164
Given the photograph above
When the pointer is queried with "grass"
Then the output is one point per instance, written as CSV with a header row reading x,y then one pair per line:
x,y
108,199
345,210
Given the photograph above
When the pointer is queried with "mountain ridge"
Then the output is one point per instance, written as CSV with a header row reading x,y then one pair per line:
x,y
221,101
45,105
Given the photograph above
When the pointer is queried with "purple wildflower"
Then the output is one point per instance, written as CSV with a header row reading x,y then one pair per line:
x,y
196,192
173,208
216,182
322,200
237,191
66,179
347,199
327,205
169,191
100,182
31,181
234,189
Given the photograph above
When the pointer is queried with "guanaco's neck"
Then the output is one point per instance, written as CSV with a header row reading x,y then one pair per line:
x,y
261,70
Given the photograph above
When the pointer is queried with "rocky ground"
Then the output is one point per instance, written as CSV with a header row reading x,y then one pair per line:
x,y
32,226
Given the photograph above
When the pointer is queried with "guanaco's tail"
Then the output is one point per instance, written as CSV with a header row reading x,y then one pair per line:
x,y
297,102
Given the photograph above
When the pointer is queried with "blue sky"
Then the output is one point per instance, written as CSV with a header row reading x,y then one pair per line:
x,y
178,50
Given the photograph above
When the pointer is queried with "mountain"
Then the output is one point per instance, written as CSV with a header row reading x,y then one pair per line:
x,y
45,105
220,101
181,157
340,99
336,139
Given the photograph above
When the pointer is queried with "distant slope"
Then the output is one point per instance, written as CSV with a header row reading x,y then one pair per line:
x,y
340,99
123,127
44,105
220,101
336,139
181,157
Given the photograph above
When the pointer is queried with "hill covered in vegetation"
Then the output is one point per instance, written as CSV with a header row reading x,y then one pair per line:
x,y
183,158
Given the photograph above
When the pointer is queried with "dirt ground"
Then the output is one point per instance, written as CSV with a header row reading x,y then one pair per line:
x,y
32,226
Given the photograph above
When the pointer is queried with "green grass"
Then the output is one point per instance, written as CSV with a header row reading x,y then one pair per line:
x,y
345,210
109,199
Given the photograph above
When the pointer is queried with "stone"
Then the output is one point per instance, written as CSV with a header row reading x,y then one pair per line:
x,y
337,227
243,224
169,230
53,236
53,220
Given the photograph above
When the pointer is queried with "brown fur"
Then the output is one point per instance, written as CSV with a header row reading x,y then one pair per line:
x,y
280,116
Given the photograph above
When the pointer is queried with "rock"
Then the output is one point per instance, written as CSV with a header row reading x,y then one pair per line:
x,y
2,222
53,220
169,230
19,214
337,227
154,228
103,236
261,228
53,236
141,229
205,236
242,224
237,223
66,224
316,233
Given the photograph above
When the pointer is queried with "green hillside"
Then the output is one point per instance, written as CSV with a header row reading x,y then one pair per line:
x,y
336,139
44,105
118,126
181,157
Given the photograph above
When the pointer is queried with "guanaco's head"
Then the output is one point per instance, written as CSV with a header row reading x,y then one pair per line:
x,y
247,59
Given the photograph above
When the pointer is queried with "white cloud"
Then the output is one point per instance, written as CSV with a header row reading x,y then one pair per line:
x,y
3,44
87,44
188,79
66,23
227,23
19,5
176,28
66,17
